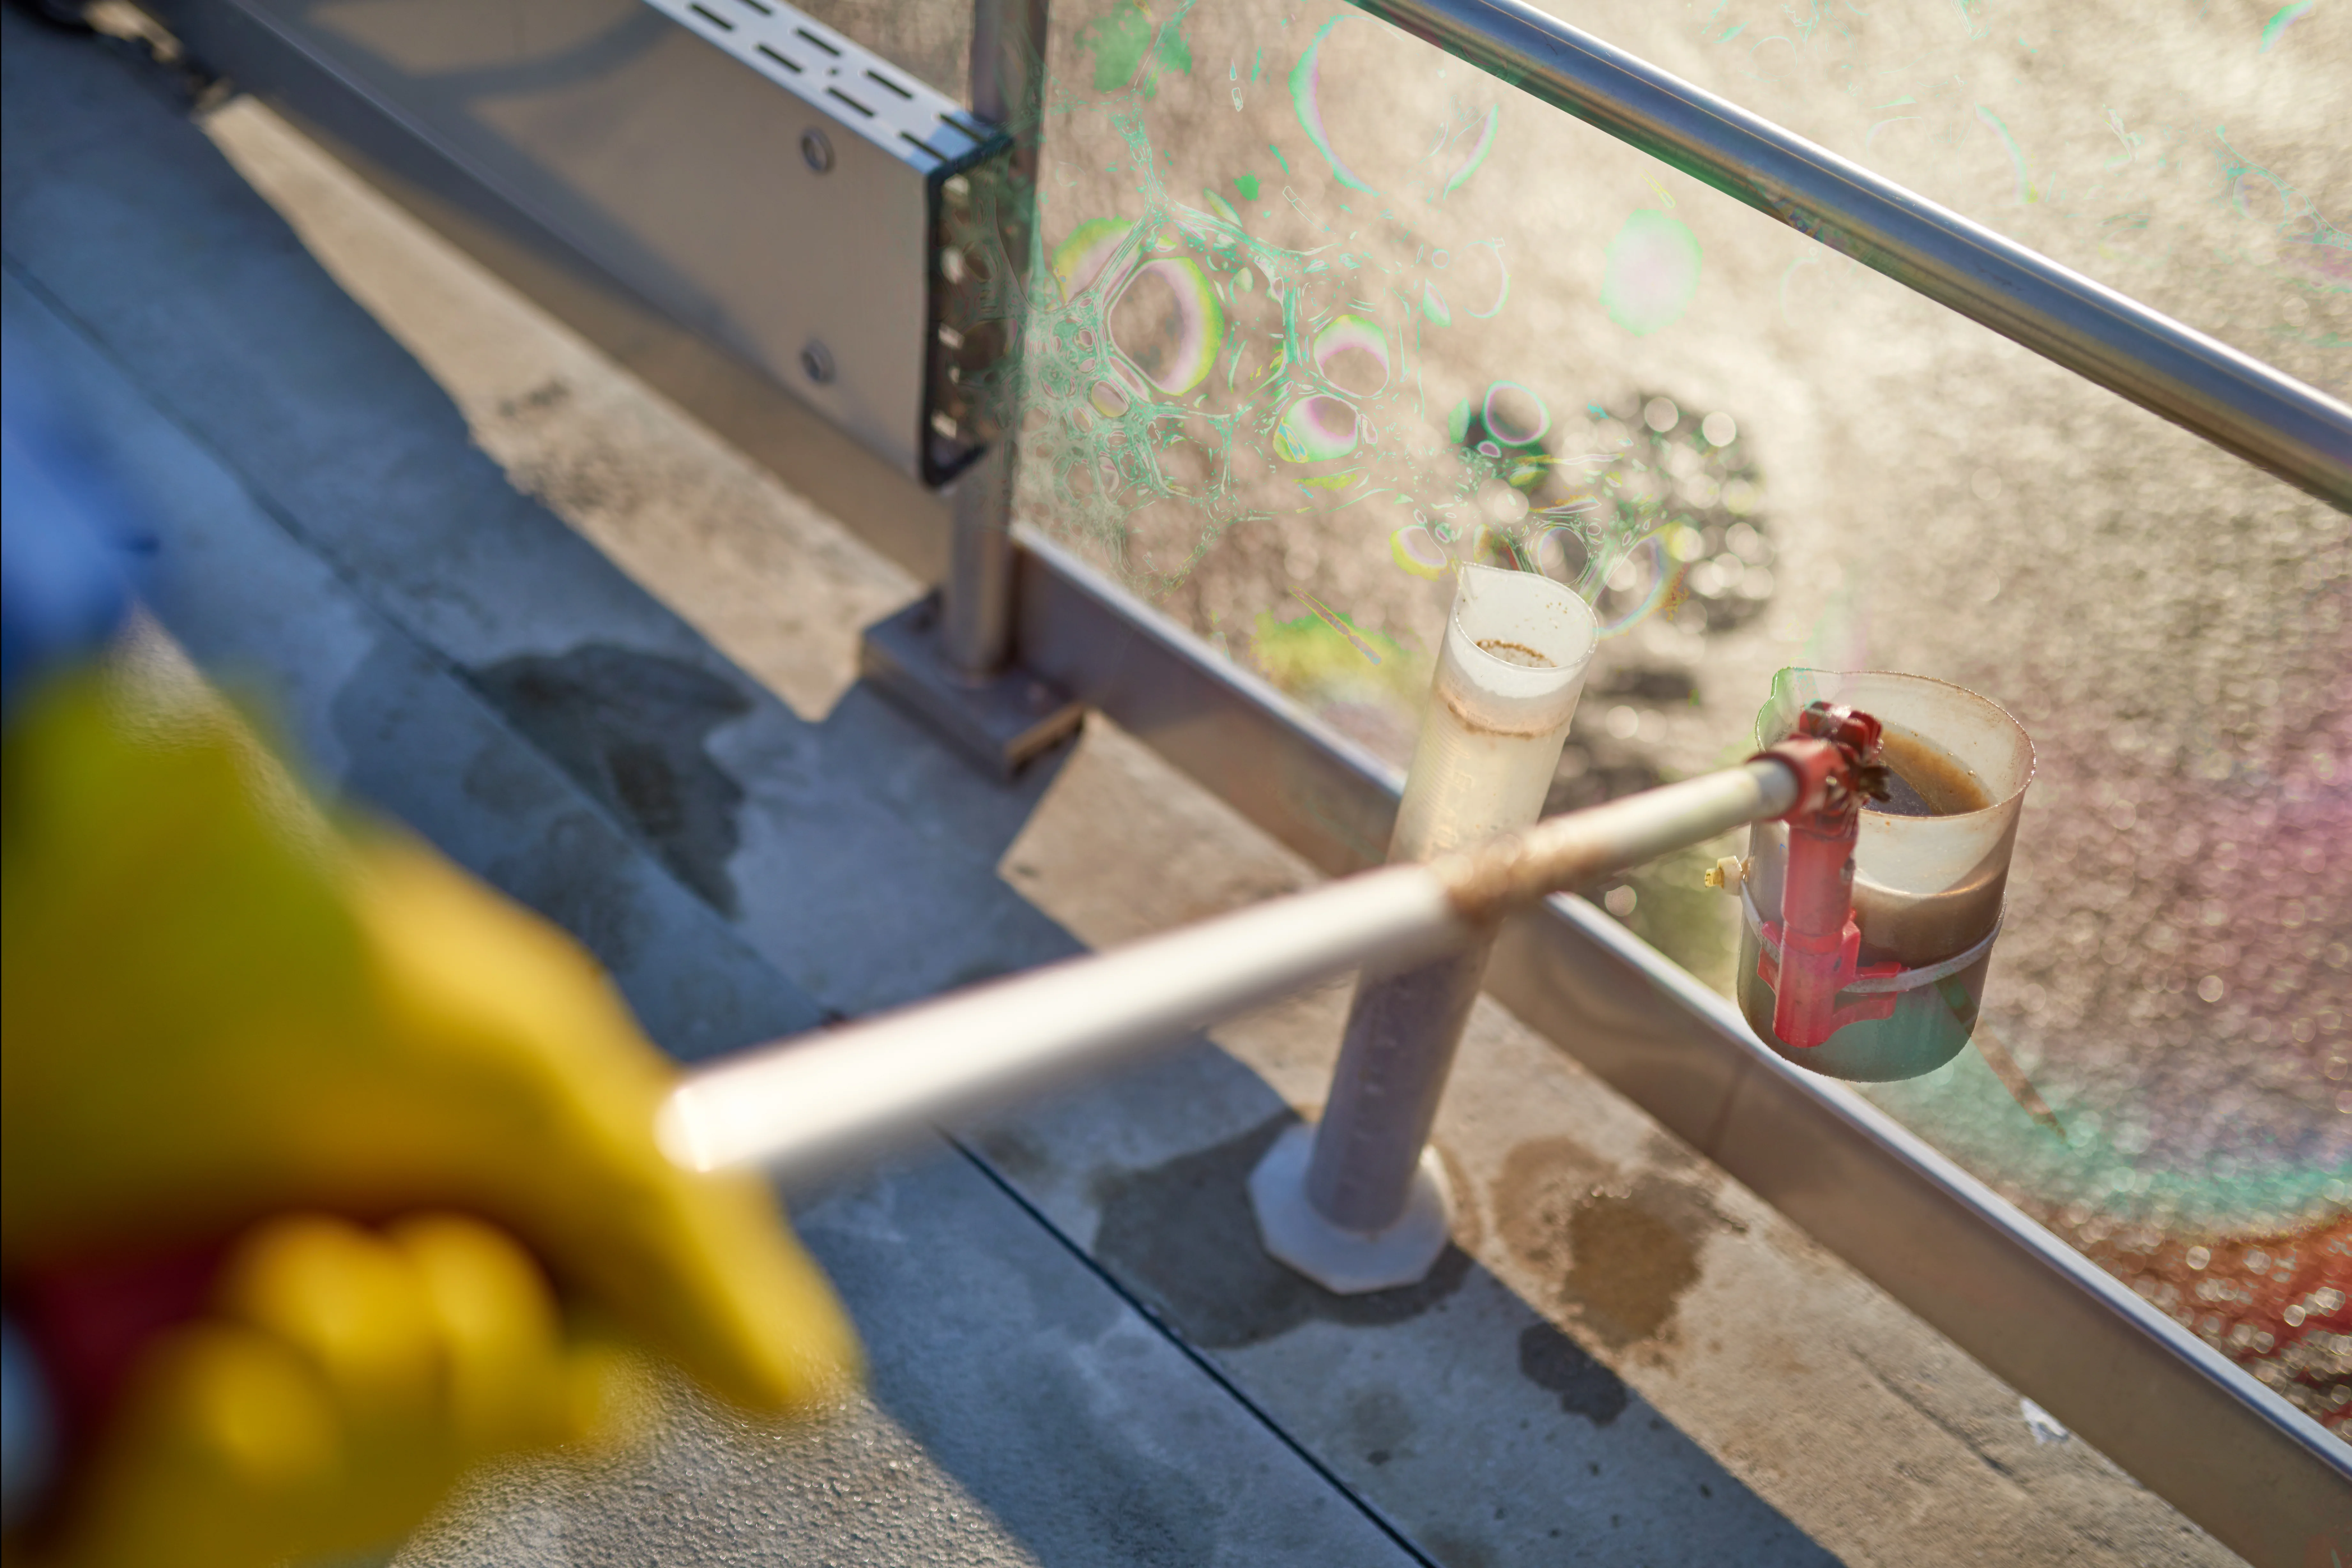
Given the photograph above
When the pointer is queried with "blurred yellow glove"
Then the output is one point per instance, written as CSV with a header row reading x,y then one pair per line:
x,y
340,1382
218,1012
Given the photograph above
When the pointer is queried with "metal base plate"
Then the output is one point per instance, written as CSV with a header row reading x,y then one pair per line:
x,y
1347,1262
1000,722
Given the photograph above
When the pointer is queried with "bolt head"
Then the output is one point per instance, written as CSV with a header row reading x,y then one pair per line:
x,y
816,150
817,363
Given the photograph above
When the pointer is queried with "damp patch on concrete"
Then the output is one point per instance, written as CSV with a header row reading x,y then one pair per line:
x,y
1629,1262
574,873
1180,1236
1618,1251
631,729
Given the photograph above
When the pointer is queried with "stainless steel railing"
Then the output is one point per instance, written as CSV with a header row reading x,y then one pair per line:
x,y
2234,401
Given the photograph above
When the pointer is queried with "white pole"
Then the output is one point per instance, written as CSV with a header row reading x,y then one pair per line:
x,y
820,1100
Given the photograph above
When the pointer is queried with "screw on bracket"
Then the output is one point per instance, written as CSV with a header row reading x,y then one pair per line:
x,y
817,363
816,150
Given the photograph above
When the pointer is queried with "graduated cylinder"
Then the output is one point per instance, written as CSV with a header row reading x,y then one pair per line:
x,y
1353,1203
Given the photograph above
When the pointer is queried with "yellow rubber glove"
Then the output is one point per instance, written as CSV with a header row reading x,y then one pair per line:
x,y
343,1380
218,1011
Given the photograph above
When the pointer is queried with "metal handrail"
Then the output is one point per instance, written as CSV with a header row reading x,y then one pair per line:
x,y
2234,401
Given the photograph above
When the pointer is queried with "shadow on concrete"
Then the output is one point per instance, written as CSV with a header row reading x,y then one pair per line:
x,y
1466,1417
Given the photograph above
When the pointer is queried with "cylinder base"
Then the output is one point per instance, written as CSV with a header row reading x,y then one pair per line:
x,y
1348,1262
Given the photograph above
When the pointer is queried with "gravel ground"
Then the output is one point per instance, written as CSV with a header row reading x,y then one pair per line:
x,y
1277,332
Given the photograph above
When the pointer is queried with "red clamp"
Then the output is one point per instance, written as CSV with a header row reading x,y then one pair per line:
x,y
1835,755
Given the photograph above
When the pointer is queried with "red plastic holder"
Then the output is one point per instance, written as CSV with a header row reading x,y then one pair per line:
x,y
1813,952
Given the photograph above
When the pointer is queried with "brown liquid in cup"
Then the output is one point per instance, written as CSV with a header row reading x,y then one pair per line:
x,y
1926,781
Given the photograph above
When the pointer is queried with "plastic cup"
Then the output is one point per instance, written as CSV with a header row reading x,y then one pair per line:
x,y
1927,889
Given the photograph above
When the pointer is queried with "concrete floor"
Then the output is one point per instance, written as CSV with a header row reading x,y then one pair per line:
x,y
387,488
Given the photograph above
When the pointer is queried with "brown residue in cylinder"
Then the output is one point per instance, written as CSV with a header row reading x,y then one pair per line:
x,y
1516,653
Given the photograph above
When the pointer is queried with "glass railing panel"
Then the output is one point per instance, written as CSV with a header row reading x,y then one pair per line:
x,y
1322,310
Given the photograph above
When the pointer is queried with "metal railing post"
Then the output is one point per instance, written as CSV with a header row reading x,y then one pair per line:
x,y
976,598
1008,72
1008,84
951,657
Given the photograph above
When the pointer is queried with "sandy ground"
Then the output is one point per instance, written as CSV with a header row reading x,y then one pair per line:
x,y
1916,494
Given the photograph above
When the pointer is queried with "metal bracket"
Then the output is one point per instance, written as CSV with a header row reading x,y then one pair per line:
x,y
952,659
1000,721
871,312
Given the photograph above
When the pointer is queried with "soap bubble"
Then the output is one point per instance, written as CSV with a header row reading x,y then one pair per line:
x,y
1110,399
1168,323
1515,415
1306,84
1653,272
1090,248
1429,163
1353,356
1315,429
1413,548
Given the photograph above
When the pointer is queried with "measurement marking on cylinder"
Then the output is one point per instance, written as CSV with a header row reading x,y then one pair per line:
x,y
837,92
807,37
713,17
877,77
790,64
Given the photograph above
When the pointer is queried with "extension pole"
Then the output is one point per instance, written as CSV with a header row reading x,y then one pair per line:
x,y
822,1100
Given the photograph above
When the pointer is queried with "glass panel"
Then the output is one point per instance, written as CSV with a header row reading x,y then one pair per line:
x,y
1324,311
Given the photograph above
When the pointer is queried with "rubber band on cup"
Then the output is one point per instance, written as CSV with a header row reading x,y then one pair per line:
x,y
1876,985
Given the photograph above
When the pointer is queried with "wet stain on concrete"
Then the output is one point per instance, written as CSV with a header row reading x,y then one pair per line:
x,y
1620,1253
1541,1182
631,728
577,875
1629,1263
1381,1425
1180,1236
1550,1360
1453,1551
1019,1156
512,781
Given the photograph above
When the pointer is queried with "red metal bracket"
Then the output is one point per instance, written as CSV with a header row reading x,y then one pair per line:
x,y
1835,755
